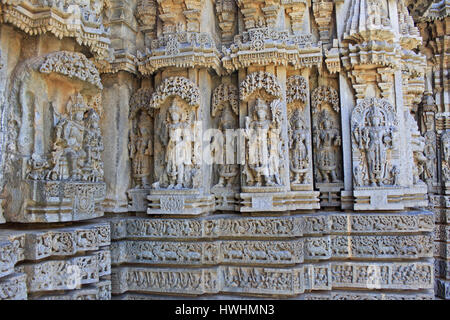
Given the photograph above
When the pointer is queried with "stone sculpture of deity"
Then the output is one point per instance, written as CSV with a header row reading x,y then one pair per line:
x,y
430,155
326,140
445,141
93,147
178,157
263,150
141,148
299,155
227,172
68,154
376,140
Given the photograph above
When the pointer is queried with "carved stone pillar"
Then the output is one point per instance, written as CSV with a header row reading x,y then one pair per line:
x,y
116,95
373,73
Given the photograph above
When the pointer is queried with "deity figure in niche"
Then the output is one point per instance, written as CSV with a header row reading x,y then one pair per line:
x,y
264,144
141,149
298,149
326,140
376,140
68,154
445,140
377,13
93,147
178,156
420,159
430,154
227,172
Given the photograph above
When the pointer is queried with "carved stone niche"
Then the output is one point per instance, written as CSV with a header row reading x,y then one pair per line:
x,y
327,145
177,142
300,164
141,149
54,157
265,182
225,113
376,161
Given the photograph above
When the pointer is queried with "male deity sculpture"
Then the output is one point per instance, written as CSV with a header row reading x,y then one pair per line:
x,y
227,172
141,148
375,139
326,140
68,154
179,147
299,159
264,144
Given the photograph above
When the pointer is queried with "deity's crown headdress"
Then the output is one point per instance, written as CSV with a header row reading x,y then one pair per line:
x,y
93,116
375,113
260,105
227,117
76,104
174,107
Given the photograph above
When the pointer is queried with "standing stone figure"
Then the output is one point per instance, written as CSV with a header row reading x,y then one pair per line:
x,y
227,172
298,150
445,140
141,149
326,140
93,147
262,168
430,154
178,149
375,140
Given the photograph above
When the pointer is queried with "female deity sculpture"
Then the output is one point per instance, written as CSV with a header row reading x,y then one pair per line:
x,y
141,149
298,150
326,140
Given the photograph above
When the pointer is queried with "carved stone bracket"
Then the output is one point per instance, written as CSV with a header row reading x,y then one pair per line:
x,y
84,23
257,46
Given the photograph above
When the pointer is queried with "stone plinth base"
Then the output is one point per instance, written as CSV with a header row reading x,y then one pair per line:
x,y
226,199
330,194
442,289
138,200
61,201
378,198
389,198
179,202
447,188
382,255
279,201
416,196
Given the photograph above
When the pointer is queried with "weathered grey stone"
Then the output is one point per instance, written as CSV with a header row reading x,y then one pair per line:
x,y
274,149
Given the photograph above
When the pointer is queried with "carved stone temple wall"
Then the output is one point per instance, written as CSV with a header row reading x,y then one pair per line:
x,y
154,149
